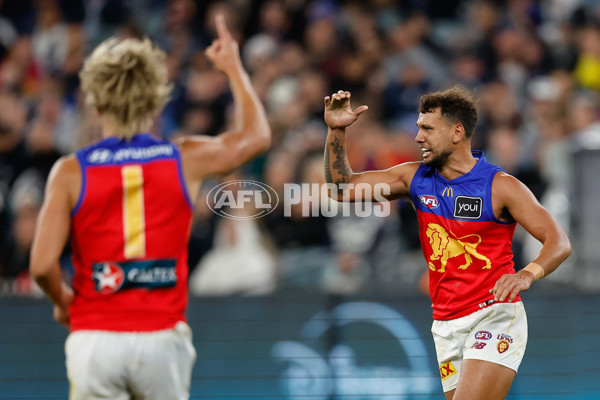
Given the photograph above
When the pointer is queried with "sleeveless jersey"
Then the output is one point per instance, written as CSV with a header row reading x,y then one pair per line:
x,y
129,236
465,246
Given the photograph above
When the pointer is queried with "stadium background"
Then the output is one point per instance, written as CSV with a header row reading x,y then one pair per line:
x,y
319,308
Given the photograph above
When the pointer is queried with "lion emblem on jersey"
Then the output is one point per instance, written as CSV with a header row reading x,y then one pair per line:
x,y
446,246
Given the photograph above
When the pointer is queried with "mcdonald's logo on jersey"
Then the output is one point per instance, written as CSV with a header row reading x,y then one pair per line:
x,y
448,191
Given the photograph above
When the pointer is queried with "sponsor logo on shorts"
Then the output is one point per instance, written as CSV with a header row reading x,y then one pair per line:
x,y
429,201
468,207
447,370
502,346
478,345
503,336
486,303
483,335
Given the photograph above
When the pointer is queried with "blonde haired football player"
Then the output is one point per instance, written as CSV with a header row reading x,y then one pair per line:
x,y
127,82
126,204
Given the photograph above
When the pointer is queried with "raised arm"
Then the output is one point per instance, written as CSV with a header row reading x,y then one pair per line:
x,y
338,116
513,197
205,156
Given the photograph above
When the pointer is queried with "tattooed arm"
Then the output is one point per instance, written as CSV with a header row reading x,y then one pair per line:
x,y
336,145
338,116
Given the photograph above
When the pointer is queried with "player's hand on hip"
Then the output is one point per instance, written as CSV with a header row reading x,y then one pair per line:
x,y
224,52
61,311
62,316
510,285
338,113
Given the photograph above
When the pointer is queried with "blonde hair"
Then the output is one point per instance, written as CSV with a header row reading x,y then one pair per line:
x,y
127,82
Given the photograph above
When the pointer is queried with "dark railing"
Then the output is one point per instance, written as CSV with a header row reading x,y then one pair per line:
x,y
293,345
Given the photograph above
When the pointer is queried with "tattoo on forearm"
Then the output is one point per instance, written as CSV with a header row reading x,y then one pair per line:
x,y
340,163
328,177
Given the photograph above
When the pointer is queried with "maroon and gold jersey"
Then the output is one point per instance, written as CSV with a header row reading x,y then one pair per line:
x,y
129,235
465,246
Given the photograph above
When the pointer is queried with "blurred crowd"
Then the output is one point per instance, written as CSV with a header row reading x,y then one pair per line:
x,y
535,65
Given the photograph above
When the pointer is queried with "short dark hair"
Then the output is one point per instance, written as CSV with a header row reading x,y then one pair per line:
x,y
457,104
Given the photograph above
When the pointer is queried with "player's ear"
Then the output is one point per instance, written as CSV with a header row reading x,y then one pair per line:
x,y
458,134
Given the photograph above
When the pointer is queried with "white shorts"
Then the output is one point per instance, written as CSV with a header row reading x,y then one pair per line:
x,y
129,365
497,334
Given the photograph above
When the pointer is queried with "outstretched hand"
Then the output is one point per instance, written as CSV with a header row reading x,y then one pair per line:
x,y
223,52
338,113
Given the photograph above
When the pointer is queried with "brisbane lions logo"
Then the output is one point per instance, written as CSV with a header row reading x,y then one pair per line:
x,y
446,246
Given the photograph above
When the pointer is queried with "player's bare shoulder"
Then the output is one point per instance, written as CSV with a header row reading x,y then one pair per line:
x,y
187,143
411,168
509,195
506,186
199,153
66,168
403,175
66,176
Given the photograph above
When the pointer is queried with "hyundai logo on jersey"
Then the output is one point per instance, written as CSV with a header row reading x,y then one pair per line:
x,y
99,156
468,207
103,156
429,201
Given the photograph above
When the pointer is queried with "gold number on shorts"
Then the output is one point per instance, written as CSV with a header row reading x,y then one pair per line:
x,y
133,211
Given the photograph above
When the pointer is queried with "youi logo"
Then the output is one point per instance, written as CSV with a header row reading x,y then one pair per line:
x,y
242,199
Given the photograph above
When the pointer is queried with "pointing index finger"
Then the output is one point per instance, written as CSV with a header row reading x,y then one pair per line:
x,y
222,30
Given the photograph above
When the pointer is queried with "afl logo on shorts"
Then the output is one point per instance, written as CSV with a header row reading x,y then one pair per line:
x,y
483,335
429,201
108,277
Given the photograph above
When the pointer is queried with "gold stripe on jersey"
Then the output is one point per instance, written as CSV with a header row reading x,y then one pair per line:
x,y
133,211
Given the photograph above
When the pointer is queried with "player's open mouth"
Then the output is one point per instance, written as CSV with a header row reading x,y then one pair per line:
x,y
425,151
